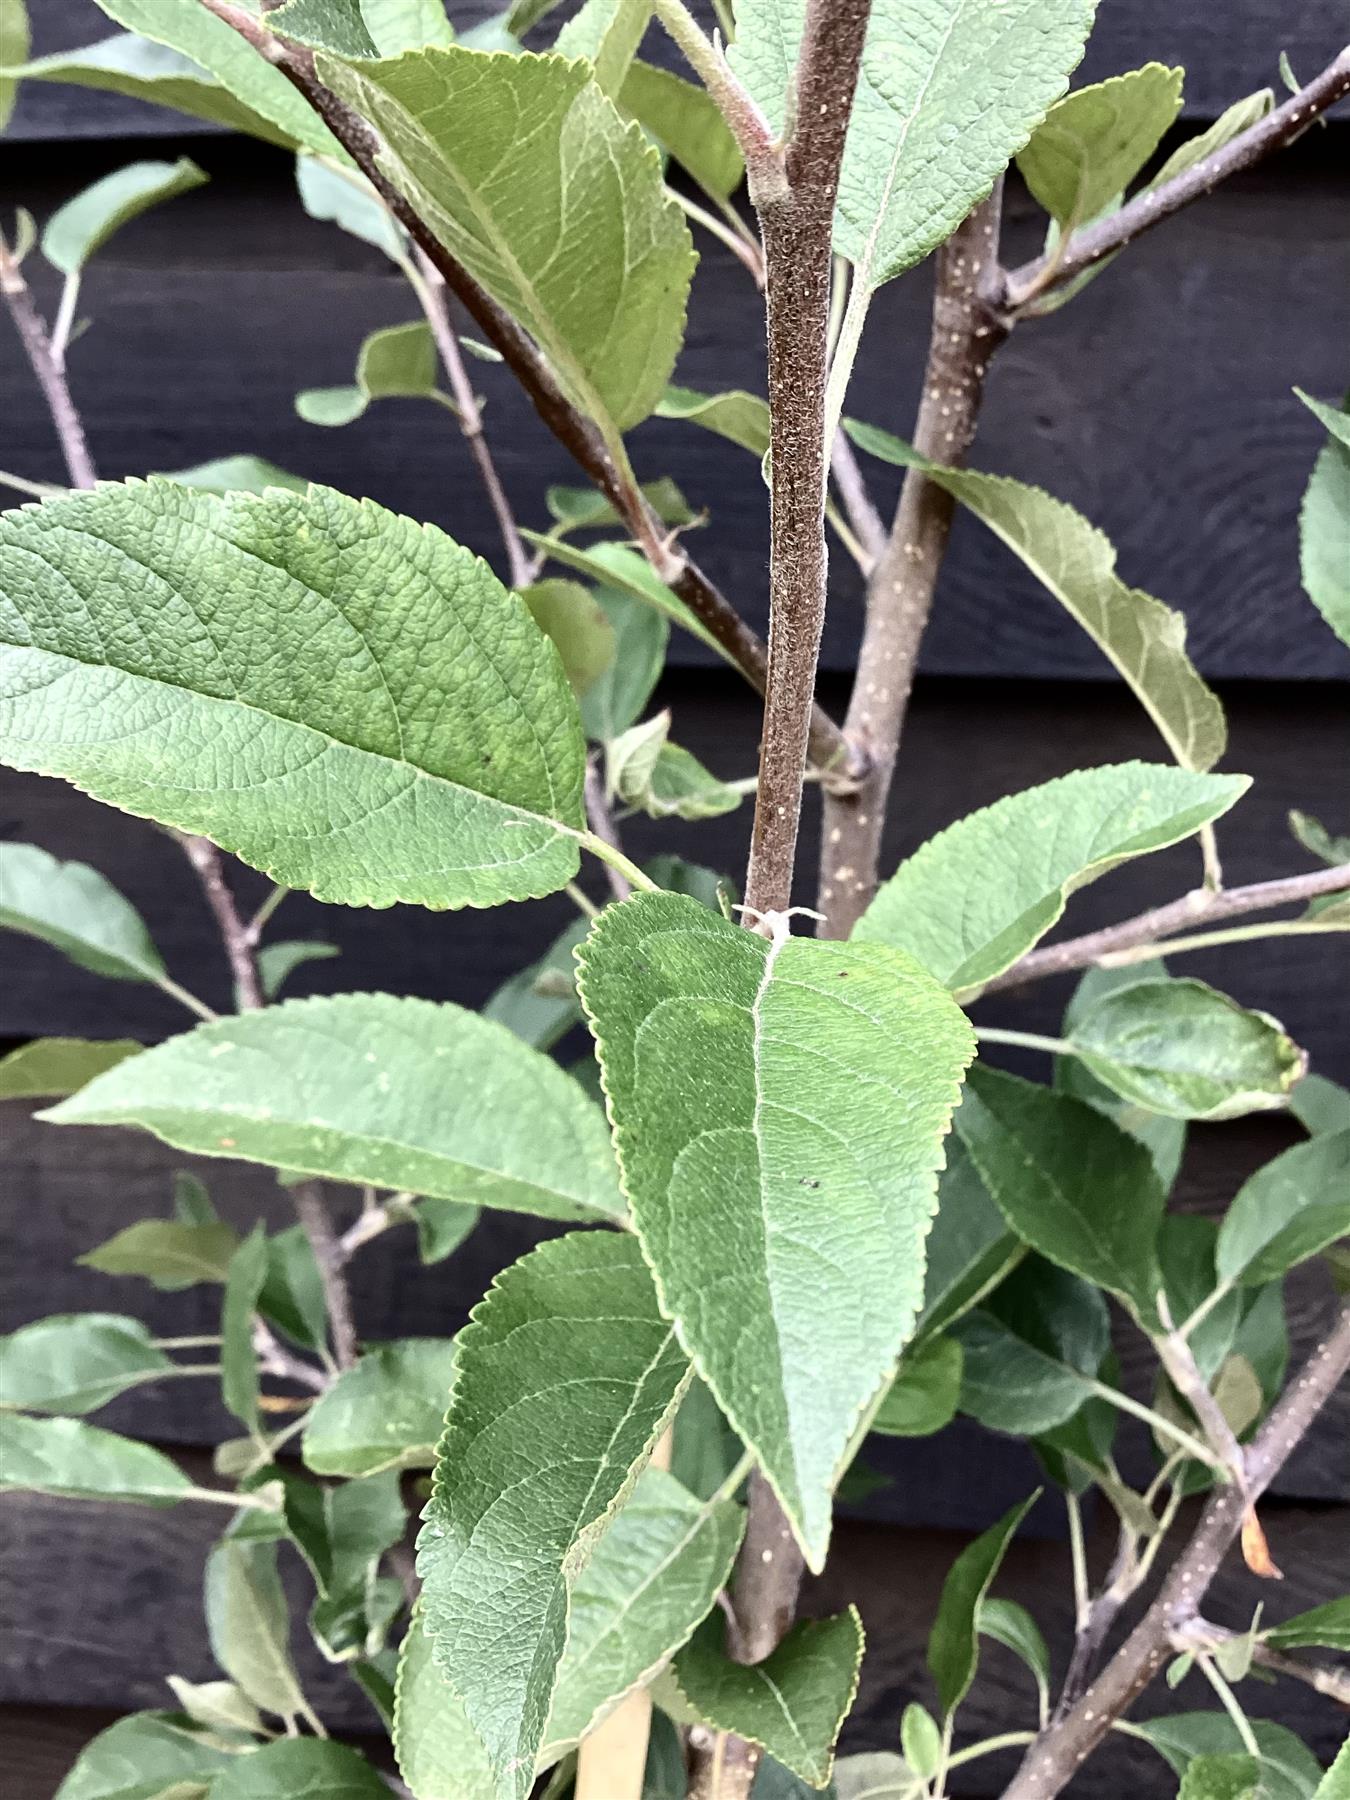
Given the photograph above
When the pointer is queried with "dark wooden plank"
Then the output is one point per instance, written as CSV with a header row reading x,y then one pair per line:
x,y
1225,54
1171,425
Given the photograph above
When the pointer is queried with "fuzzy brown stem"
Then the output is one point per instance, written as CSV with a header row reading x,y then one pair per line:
x,y
965,334
209,867
1058,1753
1200,907
1094,243
47,367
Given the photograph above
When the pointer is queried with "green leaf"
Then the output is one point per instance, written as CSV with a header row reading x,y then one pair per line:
x,y
292,1297
607,33
171,1254
644,770
75,1362
1183,1049
792,1704
398,362
141,69
874,1775
540,1004
969,1250
361,1521
954,1643
1011,1625
685,121
616,698
16,40
586,508
1323,1628
783,1193
579,627
343,198
439,1755
367,1088
216,47
1186,1246
442,1226
1335,1784
73,908
300,1769
1143,639
407,698
567,225
276,962
1314,837
1032,1349
84,1462
238,1364
364,27
1336,419
1237,118
566,1376
1091,145
948,908
925,1393
55,1067
1235,1777
236,475
249,1626
79,229
386,1412
740,417
1294,1206
1289,1770
217,1705
1324,522
920,1740
705,1450
655,1575
141,1757
616,566
1068,1181
1164,1138
947,94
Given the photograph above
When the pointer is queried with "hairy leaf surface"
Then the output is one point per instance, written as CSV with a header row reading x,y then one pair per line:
x,y
346,699
779,1112
980,894
1092,144
565,1377
684,120
300,1769
397,1093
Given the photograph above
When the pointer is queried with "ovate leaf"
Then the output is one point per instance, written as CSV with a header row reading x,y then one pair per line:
x,y
51,1068
346,199
367,1088
300,1769
685,121
947,94
439,1754
607,33
954,1643
566,224
615,699
654,1577
364,27
73,908
874,1775
1164,1138
565,1377
142,69
920,1740
739,417
143,1756
1032,1350
1236,1777
1294,1206
540,1004
292,1296
76,1362
249,1626
171,1253
236,475
1144,639
980,894
1324,529
616,566
925,1393
579,626
1289,1770
238,1365
1011,1625
80,228
779,1110
793,1703
1092,144
1316,839
385,1412
66,1456
1183,1049
16,40
1069,1182
277,962
407,699
1318,1104
216,47
397,363
970,1248
644,770
586,508
217,1705
1323,1628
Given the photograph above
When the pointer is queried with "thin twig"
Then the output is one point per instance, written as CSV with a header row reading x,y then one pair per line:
x,y
430,291
1178,1360
603,826
1092,244
965,334
312,1211
275,1359
1198,907
206,860
1201,1635
49,369
1057,1754
863,516
578,435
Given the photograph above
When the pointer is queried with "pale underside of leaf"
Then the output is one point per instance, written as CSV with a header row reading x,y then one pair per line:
x,y
347,700
778,1113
